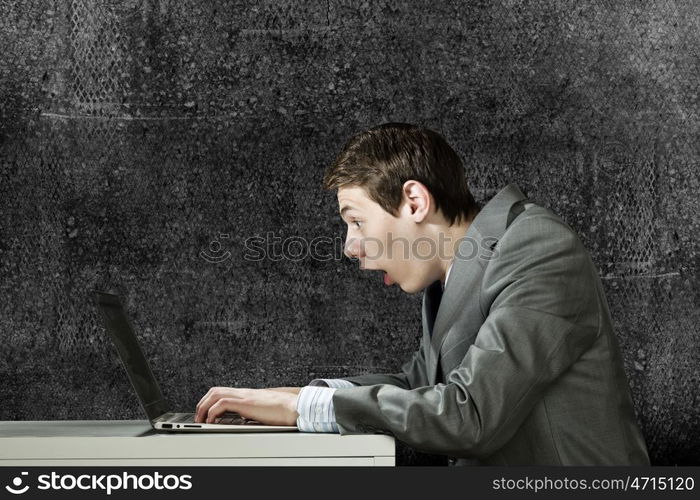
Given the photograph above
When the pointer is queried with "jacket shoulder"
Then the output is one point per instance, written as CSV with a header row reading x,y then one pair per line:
x,y
539,263
538,224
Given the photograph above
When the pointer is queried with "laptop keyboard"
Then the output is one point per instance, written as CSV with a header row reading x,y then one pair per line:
x,y
227,418
235,419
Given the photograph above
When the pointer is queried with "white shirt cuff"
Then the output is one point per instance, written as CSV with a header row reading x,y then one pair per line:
x,y
315,408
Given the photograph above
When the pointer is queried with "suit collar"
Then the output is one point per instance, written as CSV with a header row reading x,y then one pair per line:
x,y
487,227
482,235
491,220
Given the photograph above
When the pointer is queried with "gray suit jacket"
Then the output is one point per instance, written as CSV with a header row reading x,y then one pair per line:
x,y
518,363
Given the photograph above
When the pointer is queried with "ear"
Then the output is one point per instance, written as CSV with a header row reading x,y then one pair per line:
x,y
417,201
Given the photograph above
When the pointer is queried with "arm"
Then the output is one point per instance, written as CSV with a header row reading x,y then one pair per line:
x,y
413,374
315,403
292,390
542,281
310,406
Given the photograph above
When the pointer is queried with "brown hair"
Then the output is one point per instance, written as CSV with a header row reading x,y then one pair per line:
x,y
382,158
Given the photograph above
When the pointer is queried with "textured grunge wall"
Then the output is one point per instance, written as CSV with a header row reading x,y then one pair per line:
x,y
141,142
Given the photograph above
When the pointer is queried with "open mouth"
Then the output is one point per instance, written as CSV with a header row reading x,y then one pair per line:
x,y
388,281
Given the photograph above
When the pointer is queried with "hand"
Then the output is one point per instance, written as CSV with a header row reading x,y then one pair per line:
x,y
271,407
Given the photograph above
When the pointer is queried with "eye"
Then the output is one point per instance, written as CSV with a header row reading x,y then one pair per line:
x,y
357,223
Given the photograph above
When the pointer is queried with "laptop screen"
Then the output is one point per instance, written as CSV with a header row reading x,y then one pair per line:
x,y
131,355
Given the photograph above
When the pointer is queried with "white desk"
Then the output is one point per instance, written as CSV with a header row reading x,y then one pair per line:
x,y
132,442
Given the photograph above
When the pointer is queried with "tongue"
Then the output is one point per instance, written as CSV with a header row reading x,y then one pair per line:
x,y
387,280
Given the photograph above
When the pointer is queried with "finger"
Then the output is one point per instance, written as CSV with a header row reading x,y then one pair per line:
x,y
214,395
211,398
204,398
219,408
199,405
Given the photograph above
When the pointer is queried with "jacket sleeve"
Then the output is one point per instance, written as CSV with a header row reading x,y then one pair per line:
x,y
413,374
541,281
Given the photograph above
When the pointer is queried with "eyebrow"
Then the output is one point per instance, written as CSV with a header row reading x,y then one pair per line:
x,y
345,209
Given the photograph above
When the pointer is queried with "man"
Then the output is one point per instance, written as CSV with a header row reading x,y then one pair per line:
x,y
518,363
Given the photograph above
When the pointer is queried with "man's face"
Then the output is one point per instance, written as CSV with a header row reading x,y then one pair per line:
x,y
381,241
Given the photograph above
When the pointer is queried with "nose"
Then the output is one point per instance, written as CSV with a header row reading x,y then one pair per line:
x,y
353,247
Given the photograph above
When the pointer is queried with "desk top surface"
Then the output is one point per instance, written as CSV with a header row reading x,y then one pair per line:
x,y
75,428
105,437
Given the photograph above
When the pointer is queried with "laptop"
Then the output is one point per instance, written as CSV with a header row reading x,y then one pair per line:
x,y
160,415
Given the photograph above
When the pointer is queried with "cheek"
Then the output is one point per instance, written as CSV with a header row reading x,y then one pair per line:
x,y
423,250
387,239
372,248
375,240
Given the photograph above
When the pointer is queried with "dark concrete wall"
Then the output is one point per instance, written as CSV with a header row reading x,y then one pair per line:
x,y
135,135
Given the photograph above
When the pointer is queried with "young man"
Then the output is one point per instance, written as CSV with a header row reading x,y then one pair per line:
x,y
518,363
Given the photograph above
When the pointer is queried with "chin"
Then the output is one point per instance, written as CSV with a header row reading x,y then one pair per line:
x,y
410,288
414,287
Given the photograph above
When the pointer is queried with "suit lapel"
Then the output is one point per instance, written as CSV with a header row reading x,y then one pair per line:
x,y
461,292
